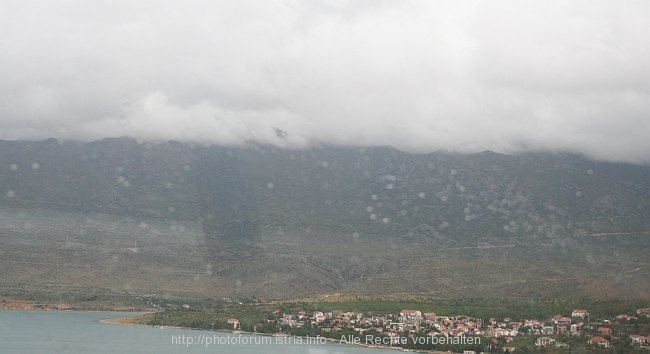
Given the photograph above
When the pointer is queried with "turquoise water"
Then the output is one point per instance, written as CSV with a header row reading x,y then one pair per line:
x,y
81,332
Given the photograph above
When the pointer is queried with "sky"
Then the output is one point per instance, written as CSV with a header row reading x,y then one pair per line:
x,y
465,76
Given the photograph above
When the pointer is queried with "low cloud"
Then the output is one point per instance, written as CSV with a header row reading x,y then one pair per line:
x,y
508,76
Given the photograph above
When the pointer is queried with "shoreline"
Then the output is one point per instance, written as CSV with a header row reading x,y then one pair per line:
x,y
142,312
25,305
129,321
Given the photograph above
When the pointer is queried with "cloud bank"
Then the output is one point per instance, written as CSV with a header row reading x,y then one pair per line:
x,y
507,76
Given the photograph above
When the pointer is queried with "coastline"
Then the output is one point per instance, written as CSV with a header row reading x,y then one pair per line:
x,y
24,305
131,321
138,311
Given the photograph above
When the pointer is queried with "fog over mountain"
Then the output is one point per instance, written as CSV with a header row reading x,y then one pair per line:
x,y
508,76
117,215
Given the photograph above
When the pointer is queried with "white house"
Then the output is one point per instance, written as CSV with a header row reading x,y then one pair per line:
x,y
544,342
579,313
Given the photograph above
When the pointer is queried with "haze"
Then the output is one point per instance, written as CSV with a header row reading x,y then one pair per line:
x,y
507,76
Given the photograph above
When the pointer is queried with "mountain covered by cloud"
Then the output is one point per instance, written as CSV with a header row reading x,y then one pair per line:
x,y
508,76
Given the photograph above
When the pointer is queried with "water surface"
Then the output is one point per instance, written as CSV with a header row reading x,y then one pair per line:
x,y
81,332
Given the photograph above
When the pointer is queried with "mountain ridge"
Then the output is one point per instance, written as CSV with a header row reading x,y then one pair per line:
x,y
267,222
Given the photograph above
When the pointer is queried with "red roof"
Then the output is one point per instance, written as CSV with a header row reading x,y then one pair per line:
x,y
598,339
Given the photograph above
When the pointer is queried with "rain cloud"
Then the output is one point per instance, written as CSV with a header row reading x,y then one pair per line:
x,y
507,76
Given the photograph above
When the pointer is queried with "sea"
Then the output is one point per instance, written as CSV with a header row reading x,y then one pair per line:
x,y
82,332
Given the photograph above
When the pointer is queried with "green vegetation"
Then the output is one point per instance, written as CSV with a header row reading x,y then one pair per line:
x,y
278,224
476,307
254,318
484,308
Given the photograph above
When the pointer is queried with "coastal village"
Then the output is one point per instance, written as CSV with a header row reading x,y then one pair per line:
x,y
498,335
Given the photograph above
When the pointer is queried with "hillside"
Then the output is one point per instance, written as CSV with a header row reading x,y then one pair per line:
x,y
121,215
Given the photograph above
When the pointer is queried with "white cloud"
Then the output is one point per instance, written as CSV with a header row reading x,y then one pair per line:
x,y
508,76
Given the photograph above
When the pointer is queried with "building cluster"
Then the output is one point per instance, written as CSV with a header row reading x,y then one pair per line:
x,y
415,322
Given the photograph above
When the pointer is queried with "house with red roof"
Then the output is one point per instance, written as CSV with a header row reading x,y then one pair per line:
x,y
604,331
234,322
599,341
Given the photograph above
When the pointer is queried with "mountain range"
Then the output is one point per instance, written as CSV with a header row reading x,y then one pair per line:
x,y
121,215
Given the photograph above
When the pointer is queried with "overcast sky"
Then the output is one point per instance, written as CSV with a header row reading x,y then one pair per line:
x,y
508,76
